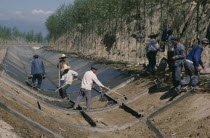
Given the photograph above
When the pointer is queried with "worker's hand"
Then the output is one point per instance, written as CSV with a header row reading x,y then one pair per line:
x,y
198,69
30,77
44,76
174,57
75,78
104,87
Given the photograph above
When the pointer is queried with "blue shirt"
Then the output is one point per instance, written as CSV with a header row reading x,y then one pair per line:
x,y
195,55
37,67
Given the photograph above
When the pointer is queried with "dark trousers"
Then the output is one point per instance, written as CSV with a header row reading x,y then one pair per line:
x,y
39,78
63,92
170,60
176,75
152,60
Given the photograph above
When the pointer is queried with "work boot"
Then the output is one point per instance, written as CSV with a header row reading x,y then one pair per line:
x,y
75,108
66,98
177,90
184,89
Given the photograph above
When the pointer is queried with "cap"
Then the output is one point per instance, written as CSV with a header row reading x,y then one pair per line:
x,y
94,67
174,38
205,41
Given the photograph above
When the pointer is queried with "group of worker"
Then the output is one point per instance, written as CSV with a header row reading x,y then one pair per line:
x,y
177,59
66,77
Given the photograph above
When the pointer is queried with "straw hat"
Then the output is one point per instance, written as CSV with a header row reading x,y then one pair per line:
x,y
63,56
65,67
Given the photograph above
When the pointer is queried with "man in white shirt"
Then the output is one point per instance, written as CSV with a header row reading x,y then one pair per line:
x,y
67,79
86,86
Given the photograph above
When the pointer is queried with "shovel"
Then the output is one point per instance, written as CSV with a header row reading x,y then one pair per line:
x,y
115,92
64,85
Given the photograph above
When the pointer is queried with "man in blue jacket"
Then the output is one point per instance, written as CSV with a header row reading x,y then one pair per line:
x,y
37,71
193,65
178,60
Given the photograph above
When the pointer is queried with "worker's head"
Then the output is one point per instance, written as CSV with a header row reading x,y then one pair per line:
x,y
169,32
65,68
63,56
204,42
36,56
153,36
174,40
94,69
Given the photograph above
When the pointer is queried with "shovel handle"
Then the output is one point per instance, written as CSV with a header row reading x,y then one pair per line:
x,y
113,91
65,85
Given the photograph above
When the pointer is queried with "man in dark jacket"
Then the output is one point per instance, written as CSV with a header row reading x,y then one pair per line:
x,y
193,65
178,60
37,71
152,48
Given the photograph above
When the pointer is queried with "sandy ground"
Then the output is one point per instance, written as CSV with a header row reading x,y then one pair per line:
x,y
188,118
6,130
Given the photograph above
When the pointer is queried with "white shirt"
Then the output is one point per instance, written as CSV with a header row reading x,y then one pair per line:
x,y
68,77
88,79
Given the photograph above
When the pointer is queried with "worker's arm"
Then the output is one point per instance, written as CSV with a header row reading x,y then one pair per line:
x,y
43,68
32,68
95,79
182,54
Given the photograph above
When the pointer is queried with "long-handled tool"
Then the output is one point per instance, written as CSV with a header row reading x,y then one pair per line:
x,y
65,85
115,92
59,75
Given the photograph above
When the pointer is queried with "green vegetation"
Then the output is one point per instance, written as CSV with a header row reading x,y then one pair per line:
x,y
87,15
7,33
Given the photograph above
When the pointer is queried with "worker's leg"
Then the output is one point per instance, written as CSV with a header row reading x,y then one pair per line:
x,y
39,77
79,98
195,78
149,57
170,61
64,91
176,75
34,79
153,60
188,73
88,98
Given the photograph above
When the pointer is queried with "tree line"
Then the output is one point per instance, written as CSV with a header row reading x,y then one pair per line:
x,y
7,33
94,15
86,16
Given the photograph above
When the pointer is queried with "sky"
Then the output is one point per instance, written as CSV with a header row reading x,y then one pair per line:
x,y
36,11
29,9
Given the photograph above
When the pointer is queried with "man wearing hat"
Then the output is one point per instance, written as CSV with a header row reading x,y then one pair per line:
x,y
62,62
193,65
178,60
152,48
37,71
67,79
87,81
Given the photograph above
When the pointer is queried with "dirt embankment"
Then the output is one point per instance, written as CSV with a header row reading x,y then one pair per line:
x,y
187,118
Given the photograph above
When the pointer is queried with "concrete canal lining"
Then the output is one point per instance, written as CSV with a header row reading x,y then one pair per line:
x,y
17,63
